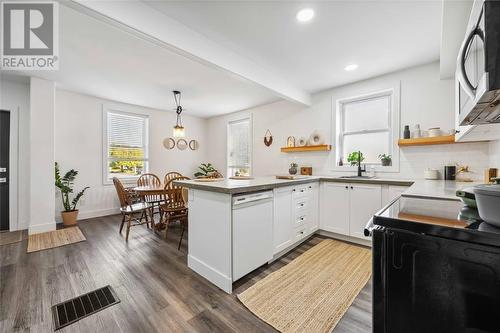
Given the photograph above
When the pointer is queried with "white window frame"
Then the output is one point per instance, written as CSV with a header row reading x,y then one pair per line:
x,y
105,149
236,120
393,129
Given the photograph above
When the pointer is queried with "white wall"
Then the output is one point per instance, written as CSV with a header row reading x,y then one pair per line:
x,y
79,146
42,123
425,99
15,96
495,154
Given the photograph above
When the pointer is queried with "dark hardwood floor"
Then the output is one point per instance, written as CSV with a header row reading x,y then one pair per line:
x,y
158,292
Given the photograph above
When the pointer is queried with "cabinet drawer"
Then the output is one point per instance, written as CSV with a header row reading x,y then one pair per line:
x,y
300,233
301,219
301,191
301,204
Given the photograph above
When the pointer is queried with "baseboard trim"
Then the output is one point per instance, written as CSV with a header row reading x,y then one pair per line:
x,y
220,280
90,214
39,228
345,238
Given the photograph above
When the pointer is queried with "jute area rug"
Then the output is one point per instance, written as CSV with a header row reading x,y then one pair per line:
x,y
56,238
313,292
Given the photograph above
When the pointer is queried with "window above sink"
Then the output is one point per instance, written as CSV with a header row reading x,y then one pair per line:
x,y
368,123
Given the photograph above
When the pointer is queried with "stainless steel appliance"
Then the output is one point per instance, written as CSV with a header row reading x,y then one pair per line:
x,y
436,268
478,66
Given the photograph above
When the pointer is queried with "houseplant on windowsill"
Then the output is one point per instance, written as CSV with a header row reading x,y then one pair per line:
x,y
353,158
65,185
385,159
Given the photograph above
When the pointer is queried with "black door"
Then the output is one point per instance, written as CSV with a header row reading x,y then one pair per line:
x,y
4,169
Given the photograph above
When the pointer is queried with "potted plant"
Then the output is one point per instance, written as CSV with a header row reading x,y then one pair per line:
x,y
354,157
385,159
65,185
207,170
293,168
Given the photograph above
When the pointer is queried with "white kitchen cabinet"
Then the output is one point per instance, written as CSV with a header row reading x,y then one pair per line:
x,y
314,217
334,207
346,208
295,214
364,201
282,223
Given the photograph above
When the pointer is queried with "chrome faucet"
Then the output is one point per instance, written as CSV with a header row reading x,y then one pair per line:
x,y
360,170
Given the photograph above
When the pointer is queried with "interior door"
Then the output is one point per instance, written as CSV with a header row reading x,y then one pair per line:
x,y
4,169
365,201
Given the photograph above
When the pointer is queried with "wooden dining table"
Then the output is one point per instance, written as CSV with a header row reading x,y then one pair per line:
x,y
159,190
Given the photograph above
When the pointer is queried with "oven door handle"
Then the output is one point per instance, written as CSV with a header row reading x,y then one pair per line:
x,y
462,77
369,228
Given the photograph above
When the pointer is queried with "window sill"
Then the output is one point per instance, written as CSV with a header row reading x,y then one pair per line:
x,y
377,169
125,181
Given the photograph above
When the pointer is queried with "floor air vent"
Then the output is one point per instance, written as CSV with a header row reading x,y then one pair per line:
x,y
68,312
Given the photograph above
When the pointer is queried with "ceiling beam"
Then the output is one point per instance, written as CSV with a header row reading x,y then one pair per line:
x,y
139,18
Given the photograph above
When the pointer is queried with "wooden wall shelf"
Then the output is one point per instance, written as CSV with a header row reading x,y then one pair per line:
x,y
306,148
437,140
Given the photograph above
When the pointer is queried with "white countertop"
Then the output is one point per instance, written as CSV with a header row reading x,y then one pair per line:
x,y
439,189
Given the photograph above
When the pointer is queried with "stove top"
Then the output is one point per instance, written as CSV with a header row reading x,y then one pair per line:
x,y
444,218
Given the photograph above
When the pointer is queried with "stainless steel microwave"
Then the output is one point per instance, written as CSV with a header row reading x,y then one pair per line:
x,y
478,66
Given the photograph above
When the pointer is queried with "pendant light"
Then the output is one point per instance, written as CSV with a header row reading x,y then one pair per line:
x,y
178,131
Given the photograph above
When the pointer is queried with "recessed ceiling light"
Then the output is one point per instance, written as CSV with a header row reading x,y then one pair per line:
x,y
351,67
305,15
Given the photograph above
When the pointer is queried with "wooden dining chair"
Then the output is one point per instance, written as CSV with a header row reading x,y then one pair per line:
x,y
129,208
151,180
171,175
174,207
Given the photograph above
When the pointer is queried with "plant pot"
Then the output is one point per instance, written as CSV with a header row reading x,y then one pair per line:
x,y
292,170
386,162
69,218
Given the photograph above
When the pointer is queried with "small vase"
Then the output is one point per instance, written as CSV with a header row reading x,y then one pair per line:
x,y
292,170
69,218
386,162
406,132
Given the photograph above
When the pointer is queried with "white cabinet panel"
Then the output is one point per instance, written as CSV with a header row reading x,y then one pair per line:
x,y
334,207
283,219
313,221
365,201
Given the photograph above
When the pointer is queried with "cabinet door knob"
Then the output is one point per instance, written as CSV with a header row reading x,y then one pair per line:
x,y
352,187
347,187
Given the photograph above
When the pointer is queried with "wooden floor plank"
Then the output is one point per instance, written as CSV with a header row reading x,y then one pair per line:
x,y
158,292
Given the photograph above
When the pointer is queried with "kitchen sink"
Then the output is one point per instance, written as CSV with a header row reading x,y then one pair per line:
x,y
357,177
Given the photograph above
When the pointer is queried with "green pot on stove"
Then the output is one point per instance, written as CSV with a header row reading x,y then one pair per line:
x,y
467,196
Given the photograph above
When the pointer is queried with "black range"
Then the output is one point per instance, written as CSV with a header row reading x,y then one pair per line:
x,y
436,268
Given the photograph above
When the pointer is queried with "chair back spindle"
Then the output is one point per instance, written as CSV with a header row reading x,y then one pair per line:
x,y
150,180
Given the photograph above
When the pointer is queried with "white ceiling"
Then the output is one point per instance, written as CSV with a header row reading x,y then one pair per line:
x,y
99,59
227,56
380,36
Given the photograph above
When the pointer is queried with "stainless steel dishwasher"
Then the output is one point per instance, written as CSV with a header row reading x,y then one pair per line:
x,y
252,231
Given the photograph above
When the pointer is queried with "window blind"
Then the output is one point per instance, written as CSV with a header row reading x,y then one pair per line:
x,y
126,149
239,149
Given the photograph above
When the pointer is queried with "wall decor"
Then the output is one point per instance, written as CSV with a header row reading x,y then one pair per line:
x,y
268,138
290,141
194,145
169,143
182,144
302,142
316,139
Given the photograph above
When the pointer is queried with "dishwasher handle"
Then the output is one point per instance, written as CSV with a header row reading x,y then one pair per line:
x,y
245,199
